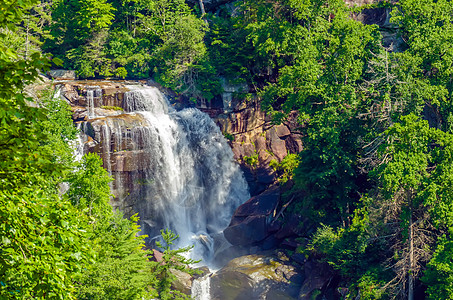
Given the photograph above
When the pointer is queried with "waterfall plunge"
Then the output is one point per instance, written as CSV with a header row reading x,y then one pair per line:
x,y
192,183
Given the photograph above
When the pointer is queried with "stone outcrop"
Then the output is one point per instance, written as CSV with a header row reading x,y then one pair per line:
x,y
256,141
117,137
105,94
257,277
252,220
381,17
319,278
62,74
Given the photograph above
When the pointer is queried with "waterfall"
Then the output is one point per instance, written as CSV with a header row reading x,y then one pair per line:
x,y
201,288
191,183
90,100
78,143
92,92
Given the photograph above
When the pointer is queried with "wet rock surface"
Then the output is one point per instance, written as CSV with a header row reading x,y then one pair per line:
x,y
257,277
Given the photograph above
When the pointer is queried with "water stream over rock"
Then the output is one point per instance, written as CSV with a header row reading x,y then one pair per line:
x,y
172,167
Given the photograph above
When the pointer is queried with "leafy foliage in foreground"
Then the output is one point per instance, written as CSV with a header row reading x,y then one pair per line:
x,y
57,245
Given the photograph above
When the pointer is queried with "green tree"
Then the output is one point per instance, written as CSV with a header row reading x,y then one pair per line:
x,y
427,28
414,198
172,259
354,253
321,58
42,241
79,32
179,49
439,274
89,188
43,245
121,269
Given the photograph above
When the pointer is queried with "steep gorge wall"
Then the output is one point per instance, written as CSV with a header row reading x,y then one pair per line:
x,y
257,142
98,111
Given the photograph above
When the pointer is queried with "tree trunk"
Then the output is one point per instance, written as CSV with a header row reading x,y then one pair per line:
x,y
203,12
27,38
410,292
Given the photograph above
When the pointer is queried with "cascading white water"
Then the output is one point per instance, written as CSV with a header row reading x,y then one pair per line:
x,y
201,288
92,91
90,100
192,183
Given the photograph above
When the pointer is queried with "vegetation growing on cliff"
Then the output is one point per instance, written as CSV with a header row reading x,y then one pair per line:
x,y
377,124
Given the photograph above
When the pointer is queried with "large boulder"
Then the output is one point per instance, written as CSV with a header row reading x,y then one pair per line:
x,y
275,142
251,221
256,277
62,74
318,277
182,282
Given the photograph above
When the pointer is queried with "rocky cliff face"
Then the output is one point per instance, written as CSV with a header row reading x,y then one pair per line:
x,y
256,142
117,137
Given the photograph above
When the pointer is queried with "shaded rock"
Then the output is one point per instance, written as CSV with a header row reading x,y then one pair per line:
x,y
379,16
251,229
271,242
255,187
299,258
62,74
295,226
432,115
274,226
249,223
318,275
265,175
289,243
